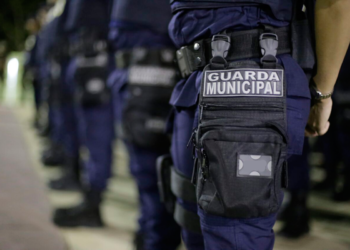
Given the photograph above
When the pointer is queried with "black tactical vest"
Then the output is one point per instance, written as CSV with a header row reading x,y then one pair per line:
x,y
154,14
87,13
281,9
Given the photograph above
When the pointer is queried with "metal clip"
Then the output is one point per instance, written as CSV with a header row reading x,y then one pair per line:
x,y
269,45
220,45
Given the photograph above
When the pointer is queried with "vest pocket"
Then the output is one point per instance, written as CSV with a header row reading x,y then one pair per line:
x,y
240,168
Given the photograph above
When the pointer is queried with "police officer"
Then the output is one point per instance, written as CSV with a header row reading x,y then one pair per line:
x,y
60,98
142,85
87,27
233,171
53,154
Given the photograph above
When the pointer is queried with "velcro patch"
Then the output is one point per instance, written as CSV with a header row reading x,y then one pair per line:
x,y
243,82
152,76
254,165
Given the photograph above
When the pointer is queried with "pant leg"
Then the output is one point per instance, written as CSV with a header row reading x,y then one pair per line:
x,y
71,139
97,129
183,162
156,224
299,171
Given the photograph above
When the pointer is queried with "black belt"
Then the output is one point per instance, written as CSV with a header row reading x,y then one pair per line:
x,y
244,44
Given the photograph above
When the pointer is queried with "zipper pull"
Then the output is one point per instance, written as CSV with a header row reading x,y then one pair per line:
x,y
202,107
195,172
204,166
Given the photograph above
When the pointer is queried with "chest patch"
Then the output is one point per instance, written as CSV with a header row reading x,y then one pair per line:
x,y
243,82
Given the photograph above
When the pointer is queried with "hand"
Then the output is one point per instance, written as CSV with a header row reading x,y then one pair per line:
x,y
318,123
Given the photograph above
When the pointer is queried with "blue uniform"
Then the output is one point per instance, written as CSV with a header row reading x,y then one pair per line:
x,y
95,123
63,130
186,27
155,224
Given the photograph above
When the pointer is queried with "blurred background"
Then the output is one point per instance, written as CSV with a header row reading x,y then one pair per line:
x,y
316,209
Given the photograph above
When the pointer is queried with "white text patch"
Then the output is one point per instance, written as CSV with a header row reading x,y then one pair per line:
x,y
243,82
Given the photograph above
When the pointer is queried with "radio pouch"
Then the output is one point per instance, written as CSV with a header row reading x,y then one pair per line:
x,y
151,79
91,77
241,141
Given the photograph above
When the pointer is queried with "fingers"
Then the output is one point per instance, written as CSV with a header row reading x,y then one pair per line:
x,y
318,131
309,132
323,130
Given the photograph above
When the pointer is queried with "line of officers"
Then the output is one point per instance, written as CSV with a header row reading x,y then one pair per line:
x,y
104,69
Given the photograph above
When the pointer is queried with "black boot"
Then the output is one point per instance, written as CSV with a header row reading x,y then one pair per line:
x,y
86,214
53,156
138,241
296,216
70,181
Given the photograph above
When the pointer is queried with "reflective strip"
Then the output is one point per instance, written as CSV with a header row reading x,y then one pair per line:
x,y
151,76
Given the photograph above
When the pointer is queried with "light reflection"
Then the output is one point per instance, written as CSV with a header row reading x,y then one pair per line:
x,y
11,81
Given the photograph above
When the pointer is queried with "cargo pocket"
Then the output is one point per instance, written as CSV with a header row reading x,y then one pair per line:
x,y
240,168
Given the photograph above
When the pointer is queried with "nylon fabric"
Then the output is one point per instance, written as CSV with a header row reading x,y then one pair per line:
x,y
154,14
280,9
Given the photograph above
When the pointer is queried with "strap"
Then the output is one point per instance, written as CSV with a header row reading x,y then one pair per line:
x,y
244,44
187,219
145,56
182,187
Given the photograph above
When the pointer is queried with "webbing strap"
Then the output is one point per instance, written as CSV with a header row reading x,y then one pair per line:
x,y
182,187
187,219
145,56
244,44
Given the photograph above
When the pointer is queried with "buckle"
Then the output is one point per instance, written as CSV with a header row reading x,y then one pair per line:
x,y
184,64
269,45
220,45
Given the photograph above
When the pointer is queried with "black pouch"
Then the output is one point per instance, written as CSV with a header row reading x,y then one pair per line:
x,y
151,79
164,165
91,76
241,141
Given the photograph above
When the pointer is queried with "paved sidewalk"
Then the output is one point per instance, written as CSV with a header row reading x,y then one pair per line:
x,y
24,207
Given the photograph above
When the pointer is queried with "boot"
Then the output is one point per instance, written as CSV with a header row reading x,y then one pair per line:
x,y
70,181
86,214
53,156
296,216
138,241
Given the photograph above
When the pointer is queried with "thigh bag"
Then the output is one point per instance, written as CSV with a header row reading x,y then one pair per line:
x,y
151,79
240,141
91,77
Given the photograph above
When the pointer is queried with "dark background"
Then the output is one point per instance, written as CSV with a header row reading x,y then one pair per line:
x,y
13,15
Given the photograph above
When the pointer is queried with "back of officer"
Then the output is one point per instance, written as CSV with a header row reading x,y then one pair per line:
x,y
87,29
142,85
251,97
